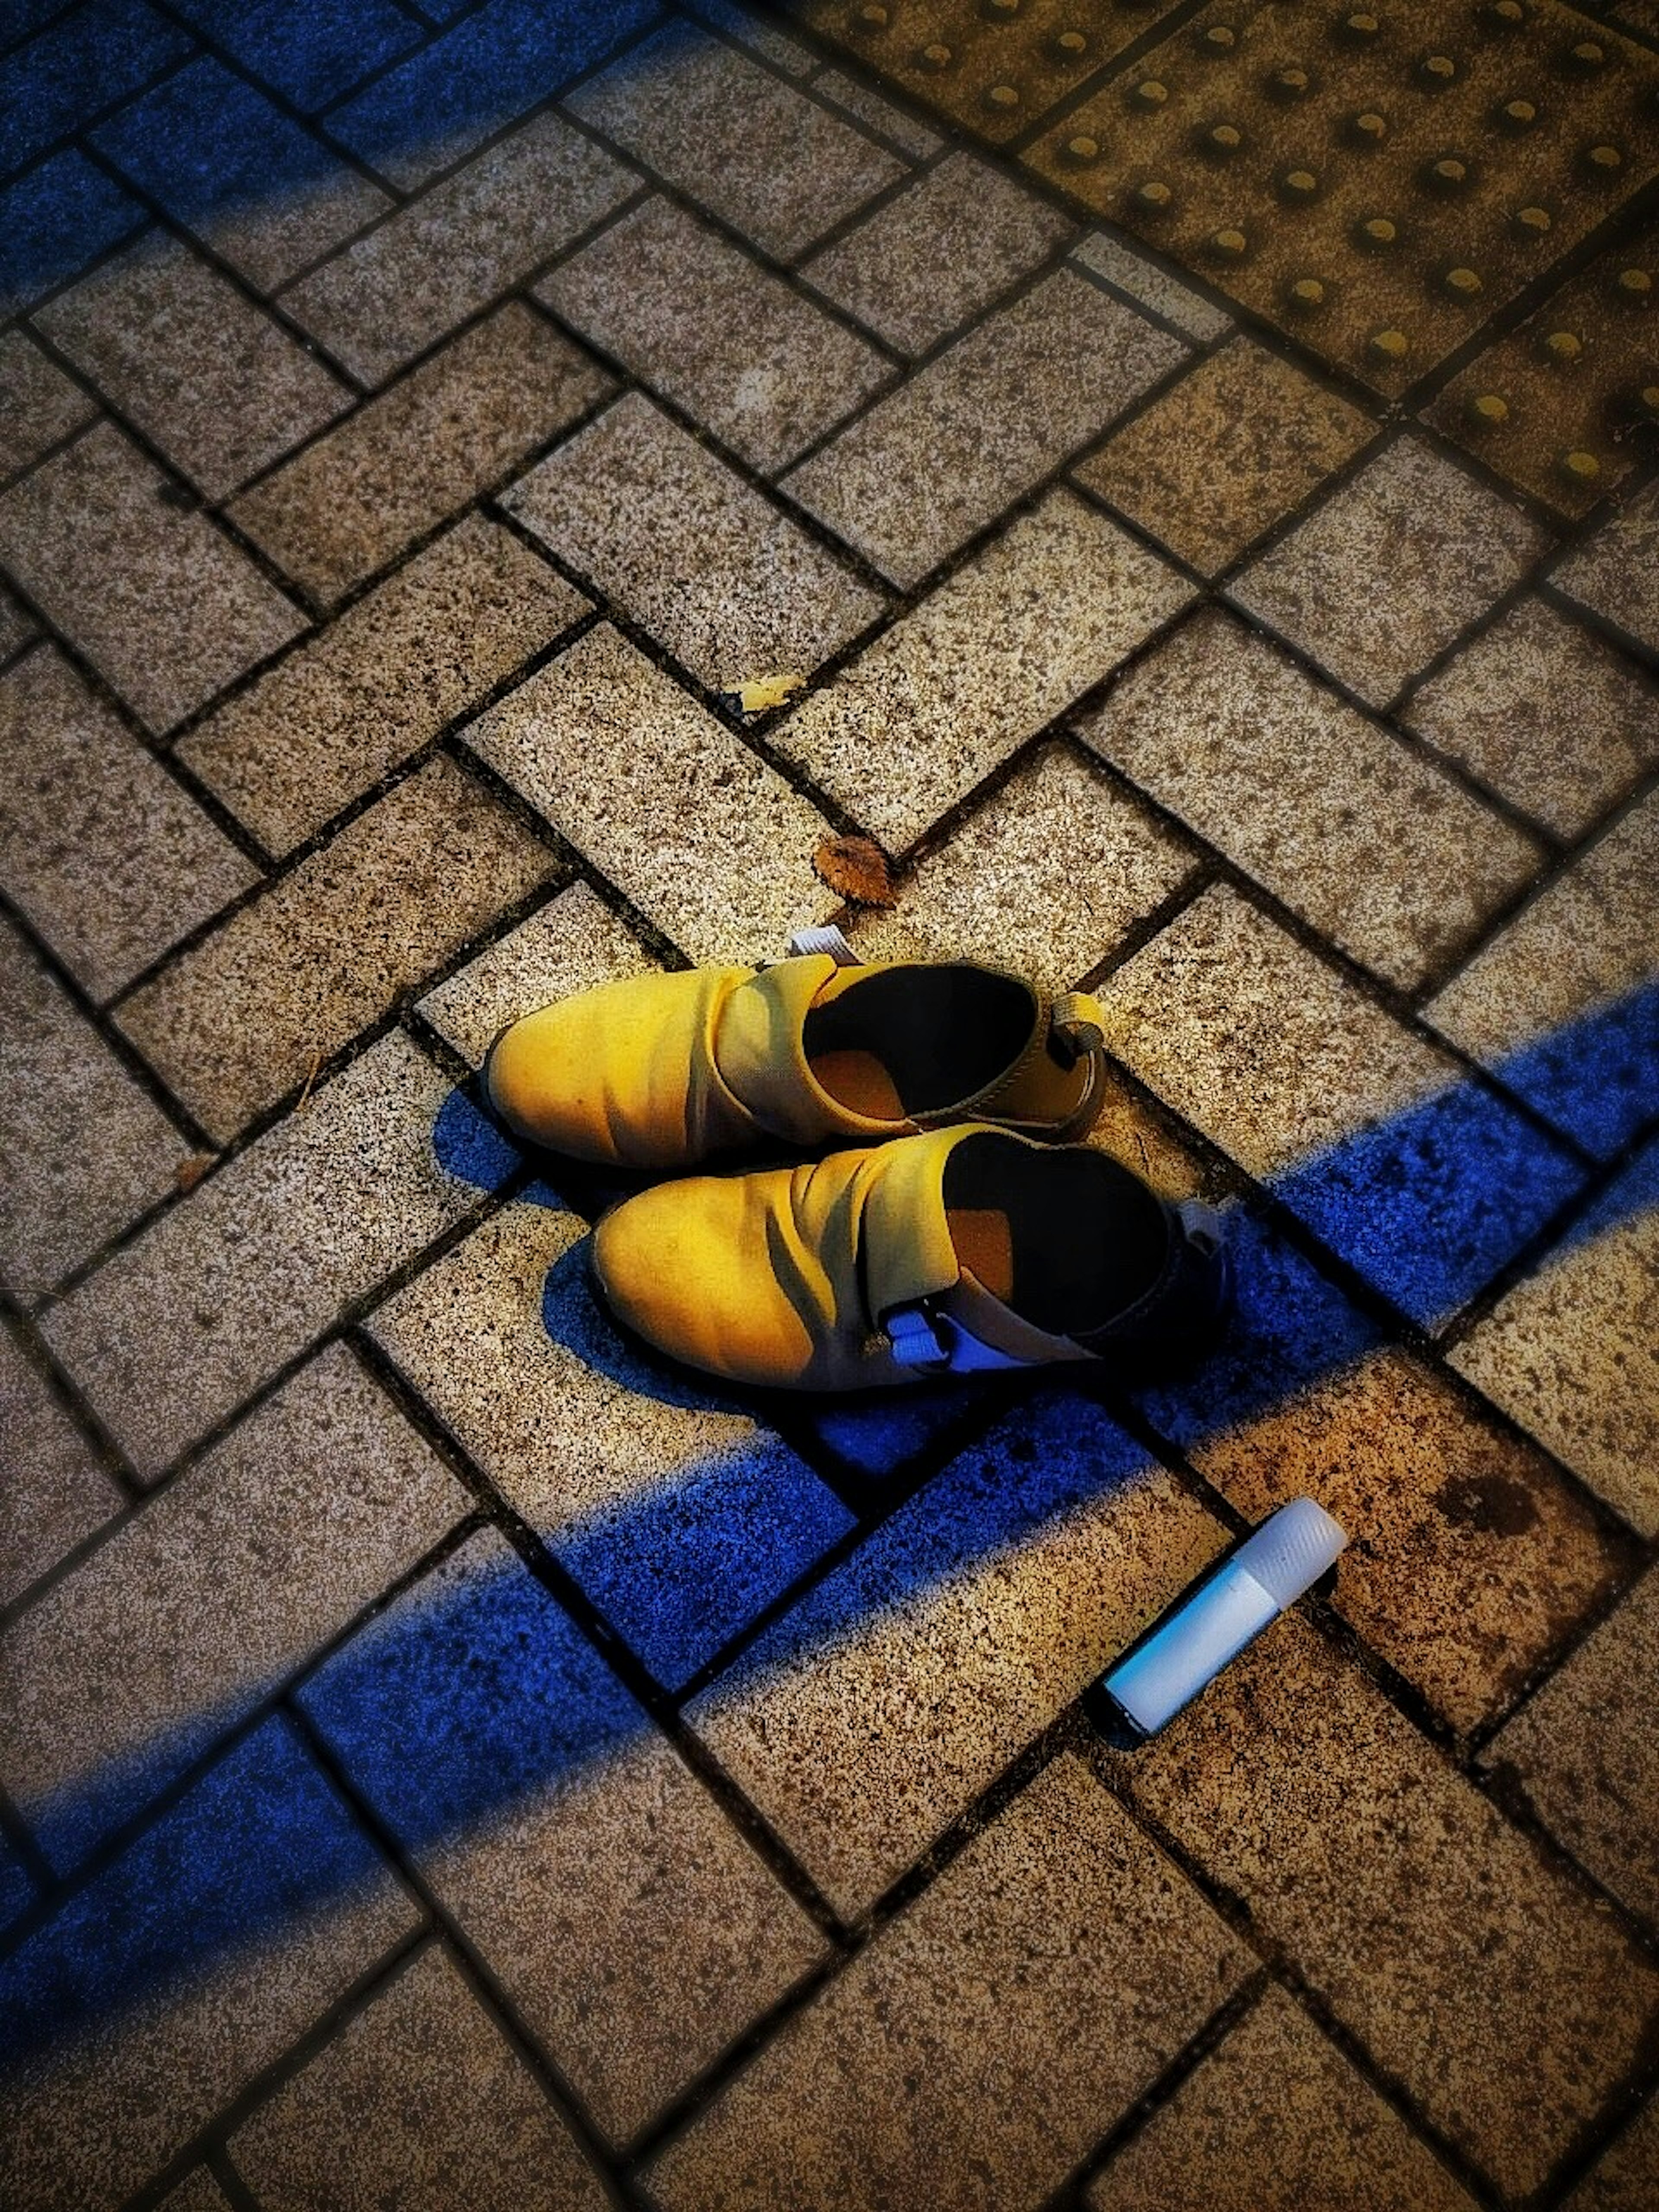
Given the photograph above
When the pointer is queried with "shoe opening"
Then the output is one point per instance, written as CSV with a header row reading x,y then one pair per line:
x,y
918,1040
1068,1239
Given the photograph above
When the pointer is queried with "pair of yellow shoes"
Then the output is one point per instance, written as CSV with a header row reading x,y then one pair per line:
x,y
956,1230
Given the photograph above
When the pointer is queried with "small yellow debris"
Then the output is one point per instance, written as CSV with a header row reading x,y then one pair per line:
x,y
762,693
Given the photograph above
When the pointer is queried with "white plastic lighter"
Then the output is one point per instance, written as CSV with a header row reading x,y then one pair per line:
x,y
1213,1621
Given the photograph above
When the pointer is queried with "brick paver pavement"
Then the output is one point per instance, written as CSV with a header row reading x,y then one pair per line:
x,y
1196,461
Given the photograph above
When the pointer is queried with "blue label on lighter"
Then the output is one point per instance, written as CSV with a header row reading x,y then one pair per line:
x,y
1191,1648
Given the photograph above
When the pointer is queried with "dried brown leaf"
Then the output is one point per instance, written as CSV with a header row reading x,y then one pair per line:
x,y
188,1172
857,868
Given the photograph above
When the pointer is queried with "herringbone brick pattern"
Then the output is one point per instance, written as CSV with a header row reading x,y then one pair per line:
x,y
447,1759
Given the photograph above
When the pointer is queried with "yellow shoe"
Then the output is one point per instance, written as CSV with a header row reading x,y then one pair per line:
x,y
663,1071
950,1252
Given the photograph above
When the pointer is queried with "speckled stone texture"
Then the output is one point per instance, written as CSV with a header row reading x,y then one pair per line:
x,y
1542,711
379,683
732,587
924,2075
706,840
931,464
1613,575
53,1490
766,159
1470,1967
420,2099
983,663
1276,2116
1238,445
1382,576
1622,2181
87,1150
906,133
250,1011
409,461
220,387
255,1262
100,849
197,2192
943,249
39,403
574,943
428,266
16,626
557,1825
1148,284
1586,1752
744,354
258,1556
167,610
1044,878
1327,809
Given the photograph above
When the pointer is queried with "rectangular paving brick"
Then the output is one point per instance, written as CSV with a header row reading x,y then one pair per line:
x,y
1621,2180
39,405
744,145
1044,878
54,220
1573,1351
314,58
936,460
982,663
574,943
231,1284
939,252
694,828
228,165
1476,1975
491,66
220,387
54,1491
743,353
1613,573
432,263
1586,1752
1275,2115
875,1713
161,603
110,859
984,2041
200,1605
52,84
758,33
380,682
412,458
1499,707
1146,285
245,1014
1379,850
875,115
86,1150
1471,1559
632,1927
679,541
678,1511
1233,449
1564,1003
1382,576
183,1969
420,2099
197,2192
1420,1179
16,626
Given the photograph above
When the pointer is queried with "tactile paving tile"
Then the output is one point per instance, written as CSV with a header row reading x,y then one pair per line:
x,y
1376,185
1567,404
994,66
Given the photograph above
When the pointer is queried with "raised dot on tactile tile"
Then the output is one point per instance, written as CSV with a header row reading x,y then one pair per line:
x,y
870,18
1436,71
1375,233
1082,149
1222,140
1153,197
1561,348
1286,85
1390,346
1604,159
1218,39
1070,45
1647,400
1515,116
1504,15
1634,286
1578,466
1461,284
936,57
1151,92
1304,295
1228,244
1359,28
999,11
1004,96
1586,58
1532,222
1446,176
1486,410
1296,186
1368,128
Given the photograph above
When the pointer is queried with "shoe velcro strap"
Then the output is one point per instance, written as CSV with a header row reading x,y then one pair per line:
x,y
827,939
1076,1022
938,1344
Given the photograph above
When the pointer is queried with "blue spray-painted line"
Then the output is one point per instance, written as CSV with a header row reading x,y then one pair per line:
x,y
476,1692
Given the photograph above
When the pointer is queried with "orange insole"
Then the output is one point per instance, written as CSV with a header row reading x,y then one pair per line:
x,y
858,1081
985,1245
